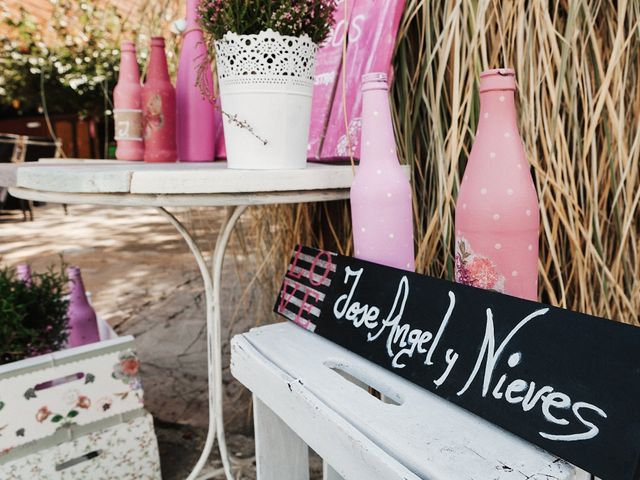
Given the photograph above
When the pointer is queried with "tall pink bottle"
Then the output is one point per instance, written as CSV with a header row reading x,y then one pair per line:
x,y
497,217
159,108
127,103
23,272
196,125
381,206
83,325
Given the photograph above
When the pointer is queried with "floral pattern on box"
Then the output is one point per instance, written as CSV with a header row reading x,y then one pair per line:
x,y
128,451
34,405
476,270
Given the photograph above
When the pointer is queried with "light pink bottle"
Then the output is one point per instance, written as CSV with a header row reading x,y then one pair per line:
x,y
23,272
196,125
381,206
497,218
83,325
159,108
127,103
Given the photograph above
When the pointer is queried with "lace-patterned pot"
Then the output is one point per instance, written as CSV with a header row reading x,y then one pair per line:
x,y
266,82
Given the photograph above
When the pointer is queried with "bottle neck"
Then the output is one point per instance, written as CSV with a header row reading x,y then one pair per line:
x,y
158,69
378,140
497,111
129,67
192,16
77,293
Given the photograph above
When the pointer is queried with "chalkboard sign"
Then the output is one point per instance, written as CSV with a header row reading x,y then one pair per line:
x,y
565,381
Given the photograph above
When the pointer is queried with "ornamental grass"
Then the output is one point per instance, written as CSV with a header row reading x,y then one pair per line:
x,y
578,73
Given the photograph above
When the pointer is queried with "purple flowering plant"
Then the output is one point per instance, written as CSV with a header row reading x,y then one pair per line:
x,y
33,317
287,17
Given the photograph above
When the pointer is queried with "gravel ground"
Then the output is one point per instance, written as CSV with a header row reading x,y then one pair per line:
x,y
145,283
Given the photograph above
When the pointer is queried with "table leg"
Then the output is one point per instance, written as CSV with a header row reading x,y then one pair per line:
x,y
212,290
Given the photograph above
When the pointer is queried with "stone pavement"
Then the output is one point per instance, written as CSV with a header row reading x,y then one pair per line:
x,y
145,283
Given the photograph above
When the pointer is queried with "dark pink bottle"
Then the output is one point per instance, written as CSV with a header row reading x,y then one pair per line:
x,y
83,325
196,114
127,106
159,108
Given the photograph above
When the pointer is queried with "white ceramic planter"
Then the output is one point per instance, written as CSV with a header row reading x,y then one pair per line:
x,y
266,83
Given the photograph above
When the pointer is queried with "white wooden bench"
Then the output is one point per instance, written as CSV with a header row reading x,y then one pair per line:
x,y
309,392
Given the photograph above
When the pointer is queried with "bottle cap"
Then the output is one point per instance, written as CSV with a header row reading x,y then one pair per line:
x,y
498,79
157,42
127,46
73,272
374,80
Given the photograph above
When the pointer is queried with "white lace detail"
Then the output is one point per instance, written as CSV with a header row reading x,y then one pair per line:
x,y
266,57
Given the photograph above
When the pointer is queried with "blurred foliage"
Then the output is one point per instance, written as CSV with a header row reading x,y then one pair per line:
x,y
33,318
74,57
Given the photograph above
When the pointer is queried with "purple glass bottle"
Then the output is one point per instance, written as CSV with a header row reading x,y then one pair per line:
x,y
381,205
83,325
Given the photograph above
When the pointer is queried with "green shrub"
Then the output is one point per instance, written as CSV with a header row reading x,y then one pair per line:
x,y
33,319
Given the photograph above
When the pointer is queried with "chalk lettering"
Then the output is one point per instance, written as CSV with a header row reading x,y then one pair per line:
x,y
305,306
555,400
491,356
516,386
593,429
327,267
284,298
292,267
443,326
531,398
497,394
451,358
346,298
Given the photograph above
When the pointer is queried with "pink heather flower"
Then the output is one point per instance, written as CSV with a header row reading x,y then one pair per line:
x,y
482,273
462,273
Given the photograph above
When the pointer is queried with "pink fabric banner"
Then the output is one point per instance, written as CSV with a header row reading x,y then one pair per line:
x,y
373,28
327,78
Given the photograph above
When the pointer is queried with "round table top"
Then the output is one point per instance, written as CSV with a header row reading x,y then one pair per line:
x,y
106,182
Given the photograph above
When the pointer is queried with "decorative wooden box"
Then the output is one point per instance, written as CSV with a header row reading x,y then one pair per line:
x,y
122,448
77,410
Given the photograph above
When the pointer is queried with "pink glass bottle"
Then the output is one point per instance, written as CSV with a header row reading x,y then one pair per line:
x,y
127,103
23,272
381,205
159,108
83,325
195,114
497,218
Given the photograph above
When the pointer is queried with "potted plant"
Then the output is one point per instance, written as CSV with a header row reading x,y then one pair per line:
x,y
33,315
265,57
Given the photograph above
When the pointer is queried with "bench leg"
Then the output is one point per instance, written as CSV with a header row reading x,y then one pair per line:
x,y
280,453
328,473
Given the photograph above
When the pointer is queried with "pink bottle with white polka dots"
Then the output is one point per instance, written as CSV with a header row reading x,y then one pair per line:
x,y
497,218
381,206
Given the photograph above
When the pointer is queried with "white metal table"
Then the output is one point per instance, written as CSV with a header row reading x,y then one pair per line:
x,y
182,185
